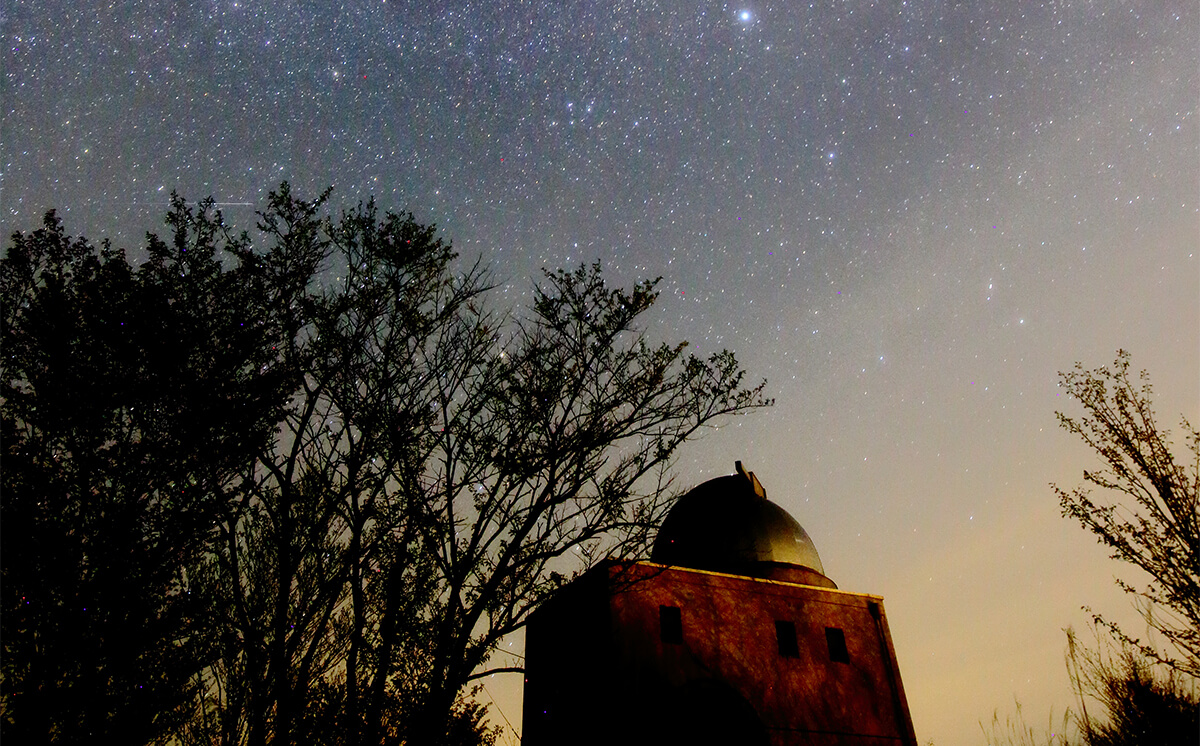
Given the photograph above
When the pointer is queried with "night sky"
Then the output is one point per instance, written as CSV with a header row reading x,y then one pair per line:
x,y
907,216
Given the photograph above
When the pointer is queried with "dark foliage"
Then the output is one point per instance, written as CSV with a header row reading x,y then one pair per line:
x,y
300,495
1142,703
323,721
130,400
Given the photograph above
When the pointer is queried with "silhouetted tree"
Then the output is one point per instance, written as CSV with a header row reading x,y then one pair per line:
x,y
442,466
130,398
297,569
300,494
1152,519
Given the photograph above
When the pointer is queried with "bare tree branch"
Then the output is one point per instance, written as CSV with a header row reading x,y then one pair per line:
x,y
1157,528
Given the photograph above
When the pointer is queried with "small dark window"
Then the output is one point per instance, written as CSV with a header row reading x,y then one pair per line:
x,y
837,645
785,633
670,624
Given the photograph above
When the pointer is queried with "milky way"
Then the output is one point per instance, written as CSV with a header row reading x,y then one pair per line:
x,y
907,216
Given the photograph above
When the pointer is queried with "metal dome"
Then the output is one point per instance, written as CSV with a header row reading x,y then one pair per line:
x,y
728,525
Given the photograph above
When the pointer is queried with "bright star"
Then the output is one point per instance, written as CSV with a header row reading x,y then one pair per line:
x,y
745,16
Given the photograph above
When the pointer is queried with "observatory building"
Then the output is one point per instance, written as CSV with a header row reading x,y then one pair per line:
x,y
730,634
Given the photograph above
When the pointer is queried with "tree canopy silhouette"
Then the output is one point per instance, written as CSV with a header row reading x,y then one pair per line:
x,y
357,474
1150,516
131,400
1140,692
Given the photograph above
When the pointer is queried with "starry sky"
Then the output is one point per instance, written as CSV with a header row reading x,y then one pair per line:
x,y
907,216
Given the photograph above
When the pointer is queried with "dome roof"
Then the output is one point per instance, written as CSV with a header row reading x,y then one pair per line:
x,y
728,525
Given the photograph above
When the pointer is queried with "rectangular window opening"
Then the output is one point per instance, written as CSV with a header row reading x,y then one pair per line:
x,y
785,633
670,624
836,639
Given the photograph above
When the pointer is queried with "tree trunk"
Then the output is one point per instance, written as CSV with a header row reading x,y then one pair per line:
x,y
278,666
354,721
